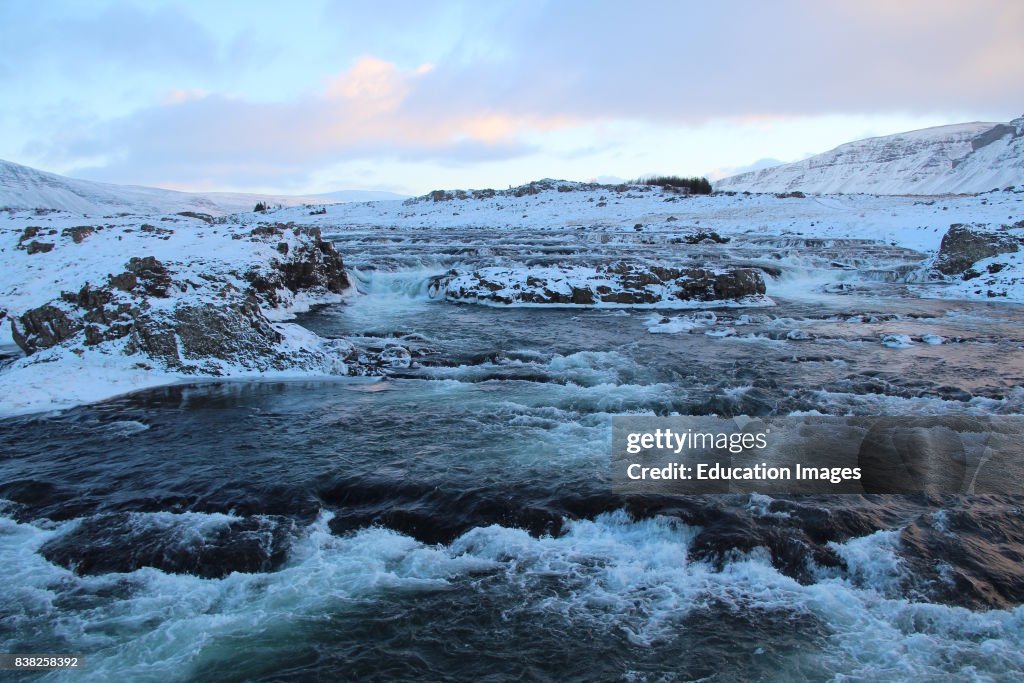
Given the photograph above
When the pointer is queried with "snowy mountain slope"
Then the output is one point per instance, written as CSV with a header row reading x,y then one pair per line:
x,y
22,187
961,158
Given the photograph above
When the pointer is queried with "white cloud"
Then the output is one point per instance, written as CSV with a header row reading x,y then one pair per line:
x,y
166,94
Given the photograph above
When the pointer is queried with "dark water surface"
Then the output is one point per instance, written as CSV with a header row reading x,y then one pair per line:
x,y
454,521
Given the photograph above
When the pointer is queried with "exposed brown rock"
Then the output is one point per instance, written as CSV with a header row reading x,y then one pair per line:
x,y
963,246
79,233
36,247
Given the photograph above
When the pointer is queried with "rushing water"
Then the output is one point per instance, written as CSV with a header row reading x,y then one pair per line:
x,y
454,520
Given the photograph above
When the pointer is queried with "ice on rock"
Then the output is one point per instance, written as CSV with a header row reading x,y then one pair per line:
x,y
897,341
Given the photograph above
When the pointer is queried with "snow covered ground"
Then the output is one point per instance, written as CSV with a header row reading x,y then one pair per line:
x,y
913,222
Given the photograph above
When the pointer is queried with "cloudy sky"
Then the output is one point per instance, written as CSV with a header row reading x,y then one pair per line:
x,y
410,96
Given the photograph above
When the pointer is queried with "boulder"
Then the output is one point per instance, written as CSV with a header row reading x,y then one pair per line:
x,y
738,283
43,327
963,246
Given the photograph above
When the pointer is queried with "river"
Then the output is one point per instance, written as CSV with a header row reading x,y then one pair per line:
x,y
454,520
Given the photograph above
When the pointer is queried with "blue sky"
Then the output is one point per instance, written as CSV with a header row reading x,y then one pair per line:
x,y
410,96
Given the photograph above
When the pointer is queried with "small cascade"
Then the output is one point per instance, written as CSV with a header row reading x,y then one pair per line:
x,y
399,284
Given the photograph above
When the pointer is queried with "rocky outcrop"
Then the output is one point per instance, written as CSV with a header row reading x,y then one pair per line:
x,y
699,237
997,132
618,284
191,324
183,336
37,247
311,264
191,338
43,327
205,217
148,274
963,246
79,233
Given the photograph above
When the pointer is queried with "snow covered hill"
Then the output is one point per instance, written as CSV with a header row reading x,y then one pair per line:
x,y
961,158
22,187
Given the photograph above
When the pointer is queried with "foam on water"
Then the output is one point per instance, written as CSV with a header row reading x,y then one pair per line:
x,y
584,368
657,324
125,428
607,575
839,403
872,562
386,295
410,283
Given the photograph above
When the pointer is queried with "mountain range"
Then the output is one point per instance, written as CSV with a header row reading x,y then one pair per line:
x,y
23,187
964,158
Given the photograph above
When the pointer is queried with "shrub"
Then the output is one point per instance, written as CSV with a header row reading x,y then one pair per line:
x,y
694,184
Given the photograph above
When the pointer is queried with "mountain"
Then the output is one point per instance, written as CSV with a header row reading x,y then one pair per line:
x,y
961,158
22,187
